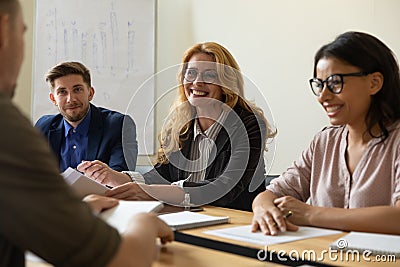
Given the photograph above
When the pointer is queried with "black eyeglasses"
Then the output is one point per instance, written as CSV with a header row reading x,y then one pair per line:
x,y
334,83
207,76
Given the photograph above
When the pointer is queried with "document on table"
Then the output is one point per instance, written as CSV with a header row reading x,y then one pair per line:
x,y
379,244
243,233
188,220
81,184
120,216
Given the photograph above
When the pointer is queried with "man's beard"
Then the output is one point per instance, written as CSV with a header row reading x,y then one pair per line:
x,y
76,117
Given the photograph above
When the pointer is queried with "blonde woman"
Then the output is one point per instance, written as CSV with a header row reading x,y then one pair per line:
x,y
212,143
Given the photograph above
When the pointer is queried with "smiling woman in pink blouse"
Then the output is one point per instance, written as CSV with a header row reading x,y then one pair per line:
x,y
350,173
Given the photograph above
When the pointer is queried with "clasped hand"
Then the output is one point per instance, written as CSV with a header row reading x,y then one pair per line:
x,y
102,173
269,218
129,191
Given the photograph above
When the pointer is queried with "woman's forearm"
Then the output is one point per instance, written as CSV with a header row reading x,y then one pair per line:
x,y
379,219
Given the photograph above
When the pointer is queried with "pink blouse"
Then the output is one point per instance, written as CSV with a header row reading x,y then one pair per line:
x,y
321,173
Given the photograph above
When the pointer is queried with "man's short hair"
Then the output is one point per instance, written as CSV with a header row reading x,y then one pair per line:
x,y
67,68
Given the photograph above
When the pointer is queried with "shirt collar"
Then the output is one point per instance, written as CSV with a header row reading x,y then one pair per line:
x,y
210,133
197,130
83,126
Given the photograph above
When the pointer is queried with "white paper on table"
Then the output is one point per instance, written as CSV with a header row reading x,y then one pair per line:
x,y
243,233
120,216
81,184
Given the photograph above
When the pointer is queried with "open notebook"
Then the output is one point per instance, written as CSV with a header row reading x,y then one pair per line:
x,y
81,184
187,220
119,216
378,244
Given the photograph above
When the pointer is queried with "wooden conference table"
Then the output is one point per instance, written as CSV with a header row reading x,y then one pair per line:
x,y
180,254
183,254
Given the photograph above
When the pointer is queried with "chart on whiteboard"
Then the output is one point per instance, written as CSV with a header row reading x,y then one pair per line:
x,y
115,40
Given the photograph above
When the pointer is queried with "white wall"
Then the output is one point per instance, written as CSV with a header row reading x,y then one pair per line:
x,y
274,43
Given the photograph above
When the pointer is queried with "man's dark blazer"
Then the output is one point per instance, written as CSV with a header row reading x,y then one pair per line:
x,y
239,158
108,130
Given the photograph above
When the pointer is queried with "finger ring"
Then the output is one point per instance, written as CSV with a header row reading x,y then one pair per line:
x,y
288,214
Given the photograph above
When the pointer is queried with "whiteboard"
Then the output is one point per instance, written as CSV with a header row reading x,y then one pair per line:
x,y
115,39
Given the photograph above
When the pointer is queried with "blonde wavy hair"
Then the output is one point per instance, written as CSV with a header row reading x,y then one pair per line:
x,y
182,113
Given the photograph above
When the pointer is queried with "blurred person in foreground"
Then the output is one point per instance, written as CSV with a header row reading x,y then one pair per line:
x,y
40,212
